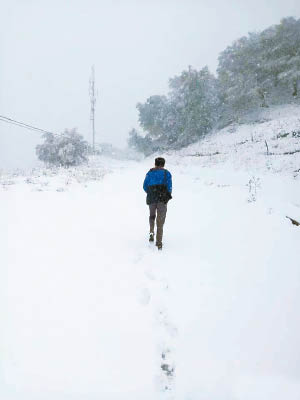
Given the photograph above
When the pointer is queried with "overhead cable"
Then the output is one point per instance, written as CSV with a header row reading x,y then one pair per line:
x,y
23,125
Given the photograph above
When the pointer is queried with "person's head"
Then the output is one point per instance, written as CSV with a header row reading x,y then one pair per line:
x,y
160,162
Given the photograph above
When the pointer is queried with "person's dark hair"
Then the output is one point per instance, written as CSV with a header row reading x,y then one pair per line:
x,y
160,162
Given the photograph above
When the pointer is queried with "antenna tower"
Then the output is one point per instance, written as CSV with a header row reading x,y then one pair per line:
x,y
93,96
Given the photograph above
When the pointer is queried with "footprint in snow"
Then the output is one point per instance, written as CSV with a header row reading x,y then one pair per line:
x,y
165,385
144,297
163,320
163,281
138,257
150,275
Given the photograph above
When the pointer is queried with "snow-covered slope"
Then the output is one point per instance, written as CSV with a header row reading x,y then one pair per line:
x,y
90,310
270,145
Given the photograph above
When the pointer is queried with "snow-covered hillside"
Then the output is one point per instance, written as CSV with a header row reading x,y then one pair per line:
x,y
270,145
90,310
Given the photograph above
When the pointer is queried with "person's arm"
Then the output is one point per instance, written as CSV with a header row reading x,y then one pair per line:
x,y
145,185
169,182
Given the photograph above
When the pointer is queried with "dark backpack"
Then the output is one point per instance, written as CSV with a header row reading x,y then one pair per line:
x,y
159,193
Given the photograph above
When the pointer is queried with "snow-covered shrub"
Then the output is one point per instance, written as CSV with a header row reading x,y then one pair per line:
x,y
253,186
66,150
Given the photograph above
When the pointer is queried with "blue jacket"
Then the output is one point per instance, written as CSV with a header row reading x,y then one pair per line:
x,y
158,185
156,177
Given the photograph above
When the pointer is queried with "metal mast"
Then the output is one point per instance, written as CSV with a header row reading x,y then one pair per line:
x,y
93,96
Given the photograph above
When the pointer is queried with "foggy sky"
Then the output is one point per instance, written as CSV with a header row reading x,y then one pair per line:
x,y
47,48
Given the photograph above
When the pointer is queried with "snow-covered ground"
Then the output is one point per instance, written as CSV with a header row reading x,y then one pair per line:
x,y
90,310
271,145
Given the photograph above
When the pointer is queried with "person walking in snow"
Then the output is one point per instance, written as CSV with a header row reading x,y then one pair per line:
x,y
158,186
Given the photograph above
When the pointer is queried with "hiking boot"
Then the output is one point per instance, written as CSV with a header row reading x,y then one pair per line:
x,y
151,237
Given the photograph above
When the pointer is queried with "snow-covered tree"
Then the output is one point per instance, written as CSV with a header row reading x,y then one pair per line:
x,y
241,81
281,49
193,105
141,144
152,115
256,71
186,114
67,149
260,69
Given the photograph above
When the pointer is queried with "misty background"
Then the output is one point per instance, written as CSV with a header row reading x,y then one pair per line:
x,y
48,48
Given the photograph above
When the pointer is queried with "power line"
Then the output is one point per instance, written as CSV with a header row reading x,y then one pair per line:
x,y
31,127
23,125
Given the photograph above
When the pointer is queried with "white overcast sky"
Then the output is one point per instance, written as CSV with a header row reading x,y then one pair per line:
x,y
47,48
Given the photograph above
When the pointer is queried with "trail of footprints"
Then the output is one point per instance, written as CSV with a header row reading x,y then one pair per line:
x,y
165,379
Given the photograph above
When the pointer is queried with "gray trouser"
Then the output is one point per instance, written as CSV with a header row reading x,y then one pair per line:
x,y
158,211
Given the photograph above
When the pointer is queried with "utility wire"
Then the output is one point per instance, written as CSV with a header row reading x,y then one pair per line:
x,y
30,127
23,125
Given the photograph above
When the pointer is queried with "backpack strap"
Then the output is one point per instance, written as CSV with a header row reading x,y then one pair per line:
x,y
165,178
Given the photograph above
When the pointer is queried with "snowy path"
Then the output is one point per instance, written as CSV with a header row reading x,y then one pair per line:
x,y
90,310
